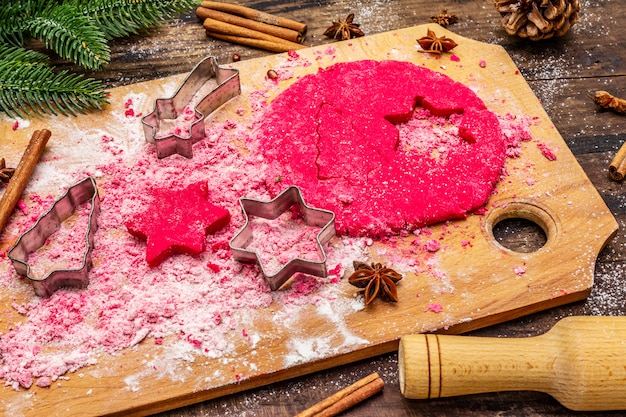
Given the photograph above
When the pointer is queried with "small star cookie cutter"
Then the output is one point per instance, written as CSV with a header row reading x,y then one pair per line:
x,y
228,86
49,222
271,210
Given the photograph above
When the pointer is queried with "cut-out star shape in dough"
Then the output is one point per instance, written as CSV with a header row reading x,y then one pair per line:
x,y
177,221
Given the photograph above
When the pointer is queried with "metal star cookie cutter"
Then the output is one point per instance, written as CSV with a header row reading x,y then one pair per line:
x,y
228,86
271,210
49,222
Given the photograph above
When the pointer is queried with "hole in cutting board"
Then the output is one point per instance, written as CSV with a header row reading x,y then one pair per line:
x,y
519,235
521,227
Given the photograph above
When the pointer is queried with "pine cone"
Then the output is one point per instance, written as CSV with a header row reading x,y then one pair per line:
x,y
538,19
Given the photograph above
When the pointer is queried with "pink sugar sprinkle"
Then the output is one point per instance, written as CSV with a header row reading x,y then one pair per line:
x,y
129,113
16,125
482,63
454,58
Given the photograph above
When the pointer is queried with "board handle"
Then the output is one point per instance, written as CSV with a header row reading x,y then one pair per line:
x,y
581,362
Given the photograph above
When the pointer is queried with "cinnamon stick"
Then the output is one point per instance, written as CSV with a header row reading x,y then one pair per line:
x,y
346,398
617,168
19,180
215,26
257,43
277,31
256,15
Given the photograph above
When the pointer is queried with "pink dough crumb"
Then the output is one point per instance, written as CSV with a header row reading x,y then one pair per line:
x,y
435,308
44,382
433,245
546,151
519,270
22,206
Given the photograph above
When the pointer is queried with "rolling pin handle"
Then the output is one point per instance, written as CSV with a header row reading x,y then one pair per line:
x,y
581,362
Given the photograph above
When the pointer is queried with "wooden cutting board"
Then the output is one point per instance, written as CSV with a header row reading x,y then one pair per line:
x,y
488,287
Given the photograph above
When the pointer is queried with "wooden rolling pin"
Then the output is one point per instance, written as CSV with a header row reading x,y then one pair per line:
x,y
581,362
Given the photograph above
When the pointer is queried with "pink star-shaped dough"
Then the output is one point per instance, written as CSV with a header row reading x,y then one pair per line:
x,y
177,221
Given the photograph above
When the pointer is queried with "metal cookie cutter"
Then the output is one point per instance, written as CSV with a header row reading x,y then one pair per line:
x,y
228,86
35,237
271,210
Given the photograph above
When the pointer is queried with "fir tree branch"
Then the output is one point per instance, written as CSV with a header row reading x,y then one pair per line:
x,y
71,35
119,18
77,30
28,85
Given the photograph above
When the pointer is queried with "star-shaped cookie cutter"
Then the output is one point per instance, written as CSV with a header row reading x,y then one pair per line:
x,y
271,210
49,222
228,86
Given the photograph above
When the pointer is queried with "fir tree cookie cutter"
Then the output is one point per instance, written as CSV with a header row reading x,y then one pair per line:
x,y
228,86
324,219
49,222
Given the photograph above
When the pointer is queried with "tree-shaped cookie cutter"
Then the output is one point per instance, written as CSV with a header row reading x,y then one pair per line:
x,y
49,222
271,210
228,86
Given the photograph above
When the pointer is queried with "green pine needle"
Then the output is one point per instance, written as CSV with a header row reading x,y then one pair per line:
x,y
73,36
29,86
16,55
13,23
119,18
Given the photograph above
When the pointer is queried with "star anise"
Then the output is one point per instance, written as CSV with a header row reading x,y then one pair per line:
x,y
5,173
375,279
344,29
434,44
444,19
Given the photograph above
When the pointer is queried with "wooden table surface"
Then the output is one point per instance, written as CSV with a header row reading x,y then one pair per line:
x,y
562,72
